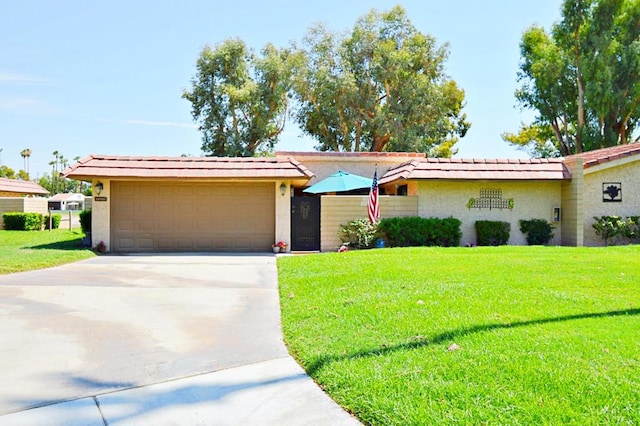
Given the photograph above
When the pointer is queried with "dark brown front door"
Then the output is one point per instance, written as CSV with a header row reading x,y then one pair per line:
x,y
305,223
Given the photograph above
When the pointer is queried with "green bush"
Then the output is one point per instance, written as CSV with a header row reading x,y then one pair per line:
x,y
632,230
18,221
537,231
611,228
359,233
421,231
55,221
85,221
492,233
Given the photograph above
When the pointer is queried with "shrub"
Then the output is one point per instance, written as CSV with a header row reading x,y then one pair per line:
x,y
55,221
359,233
632,230
85,221
17,221
421,231
537,231
610,227
492,233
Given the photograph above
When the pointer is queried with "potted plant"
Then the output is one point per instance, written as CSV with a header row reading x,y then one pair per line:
x,y
279,246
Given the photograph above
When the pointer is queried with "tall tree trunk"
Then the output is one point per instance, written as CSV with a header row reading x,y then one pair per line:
x,y
579,83
564,149
379,142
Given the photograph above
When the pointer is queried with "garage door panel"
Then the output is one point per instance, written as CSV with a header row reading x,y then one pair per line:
x,y
126,244
127,225
144,244
145,225
161,191
165,244
128,191
192,217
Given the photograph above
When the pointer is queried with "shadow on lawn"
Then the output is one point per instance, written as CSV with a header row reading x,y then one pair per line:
x,y
448,336
75,244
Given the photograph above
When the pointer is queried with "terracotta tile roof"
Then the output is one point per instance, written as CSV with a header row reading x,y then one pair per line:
x,y
350,154
485,169
21,187
103,166
604,155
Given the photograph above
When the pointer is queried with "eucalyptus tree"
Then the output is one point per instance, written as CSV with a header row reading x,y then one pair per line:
x,y
380,87
239,98
582,79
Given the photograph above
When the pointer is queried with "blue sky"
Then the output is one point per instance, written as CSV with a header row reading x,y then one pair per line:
x,y
92,77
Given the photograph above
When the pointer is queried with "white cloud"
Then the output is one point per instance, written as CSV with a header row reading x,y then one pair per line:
x,y
27,105
161,123
20,78
17,103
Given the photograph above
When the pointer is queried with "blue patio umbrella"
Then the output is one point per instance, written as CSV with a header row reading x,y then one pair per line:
x,y
340,182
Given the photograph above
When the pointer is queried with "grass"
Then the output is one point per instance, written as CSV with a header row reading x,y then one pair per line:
x,y
546,335
28,250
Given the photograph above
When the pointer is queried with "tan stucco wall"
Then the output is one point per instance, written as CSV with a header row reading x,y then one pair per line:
x,y
572,206
283,214
627,172
336,210
22,204
532,200
101,216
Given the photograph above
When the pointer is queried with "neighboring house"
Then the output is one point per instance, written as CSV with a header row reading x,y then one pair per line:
x,y
21,196
68,201
246,204
20,188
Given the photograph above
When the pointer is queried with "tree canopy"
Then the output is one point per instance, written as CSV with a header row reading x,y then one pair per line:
x,y
380,87
239,98
582,79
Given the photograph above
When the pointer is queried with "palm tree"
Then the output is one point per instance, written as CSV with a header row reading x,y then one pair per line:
x,y
26,153
54,182
54,173
77,184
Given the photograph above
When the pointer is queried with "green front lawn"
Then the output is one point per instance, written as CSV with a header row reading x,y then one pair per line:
x,y
28,250
486,335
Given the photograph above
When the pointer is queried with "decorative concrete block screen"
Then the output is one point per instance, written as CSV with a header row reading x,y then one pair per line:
x,y
23,205
336,210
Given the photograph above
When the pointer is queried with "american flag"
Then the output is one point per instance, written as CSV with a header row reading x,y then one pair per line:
x,y
373,206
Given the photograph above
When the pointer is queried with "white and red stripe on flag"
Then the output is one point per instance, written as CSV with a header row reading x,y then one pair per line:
x,y
373,205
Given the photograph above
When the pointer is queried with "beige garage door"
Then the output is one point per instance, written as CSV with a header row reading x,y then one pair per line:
x,y
149,216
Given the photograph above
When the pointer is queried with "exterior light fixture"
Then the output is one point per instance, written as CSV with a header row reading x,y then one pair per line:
x,y
99,187
283,188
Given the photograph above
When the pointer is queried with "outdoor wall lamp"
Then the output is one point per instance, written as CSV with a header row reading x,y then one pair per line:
x,y
283,188
99,187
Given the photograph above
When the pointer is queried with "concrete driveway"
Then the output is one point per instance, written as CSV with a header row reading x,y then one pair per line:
x,y
147,339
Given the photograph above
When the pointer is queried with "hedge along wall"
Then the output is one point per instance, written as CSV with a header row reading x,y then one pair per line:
x,y
336,210
531,200
22,205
